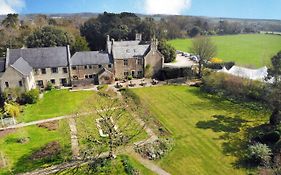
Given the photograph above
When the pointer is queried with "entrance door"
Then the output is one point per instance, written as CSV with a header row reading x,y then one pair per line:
x,y
63,82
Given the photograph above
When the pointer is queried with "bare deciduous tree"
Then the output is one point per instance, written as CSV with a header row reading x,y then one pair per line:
x,y
205,49
110,125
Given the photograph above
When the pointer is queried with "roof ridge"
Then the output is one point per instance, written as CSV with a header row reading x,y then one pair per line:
x,y
16,68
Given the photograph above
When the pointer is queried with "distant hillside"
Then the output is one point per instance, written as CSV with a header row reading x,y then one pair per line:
x,y
261,24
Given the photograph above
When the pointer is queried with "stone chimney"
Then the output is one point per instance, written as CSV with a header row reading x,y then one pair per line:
x,y
7,58
111,47
138,37
154,45
69,64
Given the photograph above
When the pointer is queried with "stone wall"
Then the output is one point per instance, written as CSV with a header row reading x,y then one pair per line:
x,y
13,78
155,60
134,68
38,75
81,71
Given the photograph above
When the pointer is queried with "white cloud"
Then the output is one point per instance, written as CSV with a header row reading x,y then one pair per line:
x,y
173,7
11,6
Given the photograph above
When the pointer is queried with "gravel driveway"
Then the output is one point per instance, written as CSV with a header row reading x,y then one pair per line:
x,y
181,62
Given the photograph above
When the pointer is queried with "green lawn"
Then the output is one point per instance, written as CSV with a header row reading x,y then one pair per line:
x,y
56,103
253,50
206,130
17,154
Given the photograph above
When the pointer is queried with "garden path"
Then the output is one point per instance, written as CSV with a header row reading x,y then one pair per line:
x,y
74,138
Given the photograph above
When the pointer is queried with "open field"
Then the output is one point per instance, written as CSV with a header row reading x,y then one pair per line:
x,y
206,130
56,103
253,50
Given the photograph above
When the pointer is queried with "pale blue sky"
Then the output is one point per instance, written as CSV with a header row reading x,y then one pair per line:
x,y
265,9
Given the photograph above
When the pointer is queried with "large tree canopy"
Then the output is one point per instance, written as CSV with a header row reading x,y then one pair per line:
x,y
122,26
12,34
168,51
118,26
11,21
79,45
48,37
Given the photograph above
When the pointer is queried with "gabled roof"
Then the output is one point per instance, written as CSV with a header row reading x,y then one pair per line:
x,y
104,70
22,67
129,51
40,57
90,58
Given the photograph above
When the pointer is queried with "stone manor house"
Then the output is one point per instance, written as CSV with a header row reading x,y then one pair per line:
x,y
30,68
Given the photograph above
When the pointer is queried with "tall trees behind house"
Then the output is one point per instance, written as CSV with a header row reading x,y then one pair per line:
x,y
122,26
14,32
10,33
80,44
167,51
48,37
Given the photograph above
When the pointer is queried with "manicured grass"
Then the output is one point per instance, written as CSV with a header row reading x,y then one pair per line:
x,y
55,103
253,50
204,129
17,154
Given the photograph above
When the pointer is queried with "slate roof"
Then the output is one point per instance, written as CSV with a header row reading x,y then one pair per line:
x,y
2,64
90,58
122,44
40,57
125,52
103,71
22,66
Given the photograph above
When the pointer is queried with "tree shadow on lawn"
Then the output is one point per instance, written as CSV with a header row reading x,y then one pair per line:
x,y
235,131
219,103
234,140
222,124
45,158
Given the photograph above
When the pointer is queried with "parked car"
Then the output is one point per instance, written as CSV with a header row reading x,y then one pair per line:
x,y
187,54
194,58
179,52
